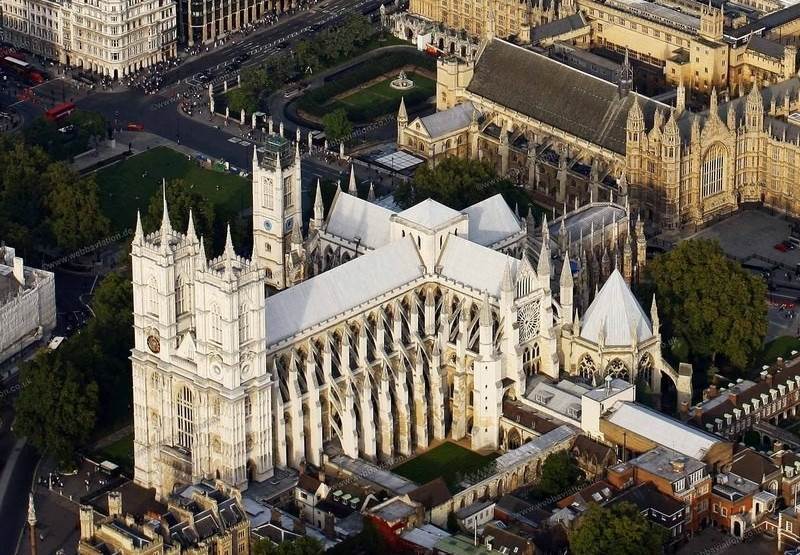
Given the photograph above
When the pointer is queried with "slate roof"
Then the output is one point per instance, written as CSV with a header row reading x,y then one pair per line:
x,y
516,412
752,466
352,217
432,494
765,47
646,497
556,94
342,288
491,220
558,27
770,21
448,121
615,312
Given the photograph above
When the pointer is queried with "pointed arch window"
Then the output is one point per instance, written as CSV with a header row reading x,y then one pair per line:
x,y
182,296
244,323
617,369
587,368
713,171
268,193
216,324
185,420
152,297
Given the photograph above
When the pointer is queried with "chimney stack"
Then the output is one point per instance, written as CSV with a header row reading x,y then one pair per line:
x,y
114,503
19,270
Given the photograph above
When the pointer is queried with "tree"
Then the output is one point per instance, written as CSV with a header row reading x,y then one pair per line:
x,y
452,522
337,126
76,219
620,529
57,406
455,182
301,546
559,472
180,199
241,98
710,302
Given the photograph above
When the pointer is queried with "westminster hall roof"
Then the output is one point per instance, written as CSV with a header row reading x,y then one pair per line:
x,y
556,94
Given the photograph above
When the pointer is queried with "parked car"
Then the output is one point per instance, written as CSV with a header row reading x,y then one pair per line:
x,y
135,127
780,247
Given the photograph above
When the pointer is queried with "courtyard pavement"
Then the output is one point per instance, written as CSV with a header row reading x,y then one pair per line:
x,y
713,541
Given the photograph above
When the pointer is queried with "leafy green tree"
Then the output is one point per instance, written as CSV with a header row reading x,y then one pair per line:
x,y
76,219
57,406
241,98
455,182
620,529
710,302
337,126
307,56
559,472
23,217
301,546
180,199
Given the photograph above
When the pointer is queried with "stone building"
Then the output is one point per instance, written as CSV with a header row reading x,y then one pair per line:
x,y
406,328
205,21
27,304
199,520
112,38
673,166
694,43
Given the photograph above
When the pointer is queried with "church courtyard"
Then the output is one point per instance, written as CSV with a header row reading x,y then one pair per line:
x,y
448,460
129,185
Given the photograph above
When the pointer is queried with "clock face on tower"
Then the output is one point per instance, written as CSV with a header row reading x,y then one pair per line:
x,y
153,344
267,225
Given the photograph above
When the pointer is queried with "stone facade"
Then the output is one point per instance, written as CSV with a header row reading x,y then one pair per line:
x,y
682,40
389,339
111,38
675,167
27,304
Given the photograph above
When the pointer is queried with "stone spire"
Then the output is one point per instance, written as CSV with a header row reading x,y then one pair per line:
x,y
351,187
507,284
371,192
680,98
625,77
566,285
138,235
191,236
297,237
713,106
486,325
402,114
202,254
654,315
229,254
319,208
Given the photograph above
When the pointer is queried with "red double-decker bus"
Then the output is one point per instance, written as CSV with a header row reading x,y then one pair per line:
x,y
23,69
58,112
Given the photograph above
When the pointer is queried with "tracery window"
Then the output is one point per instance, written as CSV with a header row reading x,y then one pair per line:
x,y
617,369
268,193
244,323
216,324
185,418
645,370
182,304
713,171
528,321
531,360
587,368
152,297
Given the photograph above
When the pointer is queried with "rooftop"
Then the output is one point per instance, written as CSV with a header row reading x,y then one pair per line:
x,y
448,121
429,214
662,429
615,317
535,447
667,463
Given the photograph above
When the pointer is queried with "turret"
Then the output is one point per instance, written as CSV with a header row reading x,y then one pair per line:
x,y
755,109
486,327
680,98
319,209
635,122
566,285
625,78
654,315
402,121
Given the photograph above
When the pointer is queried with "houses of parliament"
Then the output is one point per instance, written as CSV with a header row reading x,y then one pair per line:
x,y
575,137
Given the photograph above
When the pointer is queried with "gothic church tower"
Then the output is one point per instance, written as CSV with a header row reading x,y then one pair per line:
x,y
276,206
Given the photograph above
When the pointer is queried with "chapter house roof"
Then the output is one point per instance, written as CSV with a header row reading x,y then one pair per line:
x,y
615,314
556,94
445,122
342,288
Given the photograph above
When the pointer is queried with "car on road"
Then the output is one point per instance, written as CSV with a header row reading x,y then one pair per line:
x,y
283,45
780,247
133,126
203,78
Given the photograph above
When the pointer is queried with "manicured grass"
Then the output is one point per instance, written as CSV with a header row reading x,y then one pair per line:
x,y
383,92
448,460
120,452
128,185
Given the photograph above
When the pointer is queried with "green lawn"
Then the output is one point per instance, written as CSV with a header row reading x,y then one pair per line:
x,y
448,460
120,452
383,92
128,185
